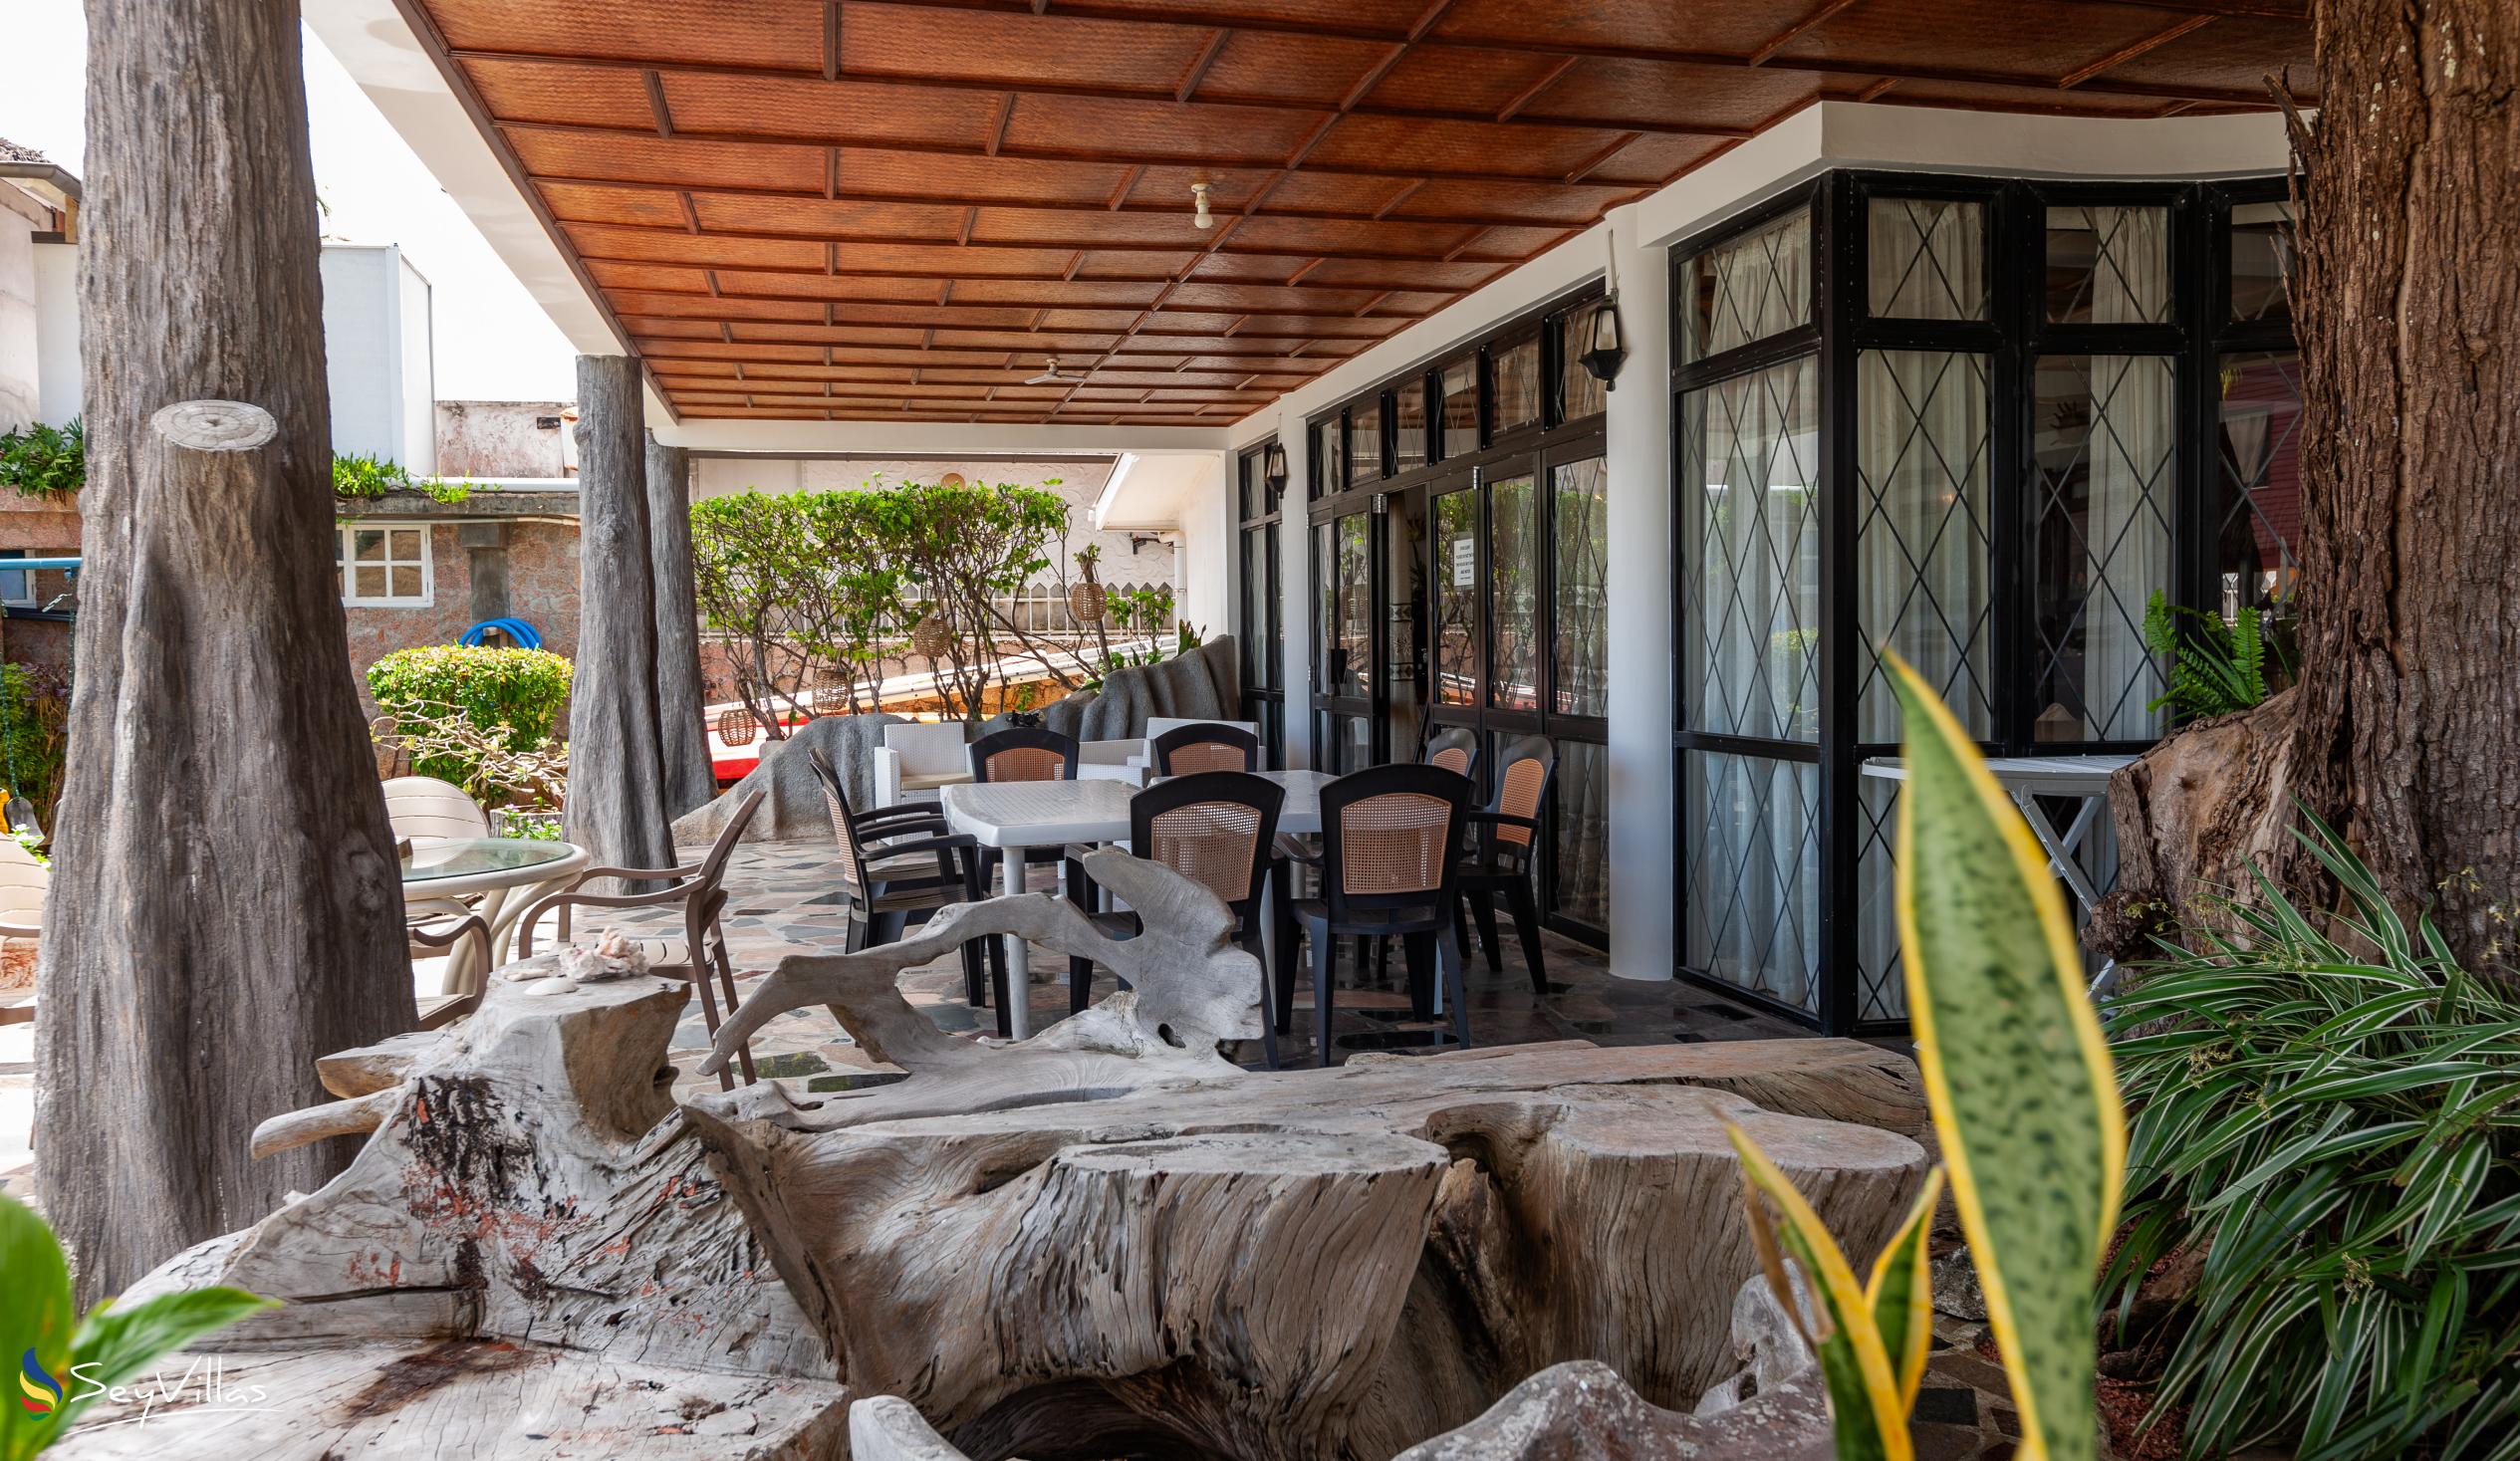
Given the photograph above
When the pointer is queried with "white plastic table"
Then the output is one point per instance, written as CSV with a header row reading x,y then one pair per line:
x,y
1015,815
2025,779
493,866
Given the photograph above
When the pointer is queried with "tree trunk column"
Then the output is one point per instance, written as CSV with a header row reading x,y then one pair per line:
x,y
689,779
616,780
226,905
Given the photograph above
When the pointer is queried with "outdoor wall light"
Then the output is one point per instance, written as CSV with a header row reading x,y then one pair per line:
x,y
1272,467
1202,218
1604,353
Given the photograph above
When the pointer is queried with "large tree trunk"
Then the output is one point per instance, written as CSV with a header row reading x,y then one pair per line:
x,y
2408,724
617,768
2405,732
225,906
689,779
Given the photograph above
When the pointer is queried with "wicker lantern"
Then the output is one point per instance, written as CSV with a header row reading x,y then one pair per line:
x,y
930,638
1085,600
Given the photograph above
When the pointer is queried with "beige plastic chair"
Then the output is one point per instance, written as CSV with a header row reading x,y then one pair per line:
x,y
23,883
426,810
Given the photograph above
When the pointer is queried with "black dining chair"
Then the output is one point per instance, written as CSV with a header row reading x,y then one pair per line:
x,y
1390,852
1499,860
1213,827
897,866
1208,746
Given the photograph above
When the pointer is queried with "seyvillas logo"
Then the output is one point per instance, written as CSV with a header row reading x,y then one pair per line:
x,y
43,1392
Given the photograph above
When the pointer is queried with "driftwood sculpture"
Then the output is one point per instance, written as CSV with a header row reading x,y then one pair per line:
x,y
1102,1241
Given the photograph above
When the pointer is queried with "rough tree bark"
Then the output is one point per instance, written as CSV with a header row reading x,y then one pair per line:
x,y
682,735
617,769
2405,731
226,905
2409,728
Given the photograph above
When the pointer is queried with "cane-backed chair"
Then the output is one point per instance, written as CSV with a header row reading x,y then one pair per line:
x,y
1204,746
1213,827
1391,843
898,864
1499,858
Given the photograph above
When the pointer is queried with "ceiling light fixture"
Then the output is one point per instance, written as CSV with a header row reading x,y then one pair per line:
x,y
1203,217
1055,376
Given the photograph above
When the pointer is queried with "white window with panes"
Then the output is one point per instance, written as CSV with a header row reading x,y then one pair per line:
x,y
385,565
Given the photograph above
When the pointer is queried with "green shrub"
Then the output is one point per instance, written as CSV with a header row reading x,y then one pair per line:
x,y
2327,1107
361,477
43,463
520,691
2214,669
34,720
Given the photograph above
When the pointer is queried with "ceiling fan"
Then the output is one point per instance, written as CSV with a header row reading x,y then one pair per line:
x,y
1055,376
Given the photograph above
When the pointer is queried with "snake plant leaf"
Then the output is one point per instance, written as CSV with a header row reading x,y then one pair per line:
x,y
1901,1293
1867,1415
2017,1074
38,1320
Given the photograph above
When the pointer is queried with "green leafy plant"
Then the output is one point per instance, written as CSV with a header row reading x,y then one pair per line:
x,y
34,732
361,476
2024,1102
2214,669
45,461
65,1361
515,695
2326,1107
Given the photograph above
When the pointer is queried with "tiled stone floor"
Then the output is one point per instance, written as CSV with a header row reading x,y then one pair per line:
x,y
782,899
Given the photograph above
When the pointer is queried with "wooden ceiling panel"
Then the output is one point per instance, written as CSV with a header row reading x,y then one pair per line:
x,y
902,208
820,218
2031,40
2212,56
986,45
1653,94
1486,82
1315,69
736,32
847,110
541,91
1158,131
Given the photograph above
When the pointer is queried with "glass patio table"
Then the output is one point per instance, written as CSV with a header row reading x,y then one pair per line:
x,y
1013,814
493,866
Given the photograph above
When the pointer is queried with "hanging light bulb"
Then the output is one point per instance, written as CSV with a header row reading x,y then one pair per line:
x,y
1202,218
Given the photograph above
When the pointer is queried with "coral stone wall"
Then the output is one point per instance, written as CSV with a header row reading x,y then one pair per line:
x,y
541,589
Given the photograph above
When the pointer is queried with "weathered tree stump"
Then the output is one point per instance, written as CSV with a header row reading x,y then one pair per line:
x,y
1102,1241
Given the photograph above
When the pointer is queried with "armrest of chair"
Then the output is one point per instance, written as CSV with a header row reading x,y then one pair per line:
x,y
570,897
877,838
888,777
896,811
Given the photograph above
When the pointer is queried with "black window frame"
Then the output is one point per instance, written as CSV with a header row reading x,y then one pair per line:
x,y
1259,511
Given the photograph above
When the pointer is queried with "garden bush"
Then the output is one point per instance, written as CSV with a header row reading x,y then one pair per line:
x,y
40,461
34,722
2326,1108
517,691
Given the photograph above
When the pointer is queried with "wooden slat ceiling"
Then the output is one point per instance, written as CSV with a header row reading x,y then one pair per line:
x,y
901,209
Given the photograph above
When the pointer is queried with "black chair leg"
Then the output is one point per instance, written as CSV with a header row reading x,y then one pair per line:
x,y
1382,960
1080,984
1288,937
1453,993
1418,949
1483,909
1323,953
1526,910
1252,942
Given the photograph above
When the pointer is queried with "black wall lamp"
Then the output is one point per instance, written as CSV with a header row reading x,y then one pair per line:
x,y
1273,466
1603,350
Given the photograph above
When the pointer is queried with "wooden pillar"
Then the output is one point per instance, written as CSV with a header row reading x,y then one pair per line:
x,y
617,799
225,903
689,781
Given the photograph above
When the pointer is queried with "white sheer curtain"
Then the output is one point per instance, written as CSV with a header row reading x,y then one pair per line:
x,y
1926,259
1921,466
2133,441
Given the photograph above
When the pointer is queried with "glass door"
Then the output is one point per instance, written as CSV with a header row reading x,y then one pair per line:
x,y
1403,671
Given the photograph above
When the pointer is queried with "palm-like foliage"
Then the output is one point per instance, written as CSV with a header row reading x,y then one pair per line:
x,y
2214,669
2330,1110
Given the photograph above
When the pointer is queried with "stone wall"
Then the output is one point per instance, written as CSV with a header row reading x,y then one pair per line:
x,y
505,439
519,569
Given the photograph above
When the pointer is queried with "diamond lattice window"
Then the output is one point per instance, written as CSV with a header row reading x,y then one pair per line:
x,y
2260,451
1927,259
1744,291
1921,532
1752,855
1751,500
2101,489
2109,266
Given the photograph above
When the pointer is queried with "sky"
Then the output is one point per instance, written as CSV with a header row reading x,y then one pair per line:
x,y
493,342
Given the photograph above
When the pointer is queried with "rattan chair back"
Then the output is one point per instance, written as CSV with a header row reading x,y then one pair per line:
x,y
1024,753
1186,750
1213,827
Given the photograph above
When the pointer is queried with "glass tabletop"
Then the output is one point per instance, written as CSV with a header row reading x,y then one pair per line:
x,y
473,855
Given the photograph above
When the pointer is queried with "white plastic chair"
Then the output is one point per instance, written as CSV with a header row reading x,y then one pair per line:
x,y
426,810
1113,761
917,759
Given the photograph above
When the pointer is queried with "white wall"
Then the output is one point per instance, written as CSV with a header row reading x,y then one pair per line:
x,y
21,383
377,360
57,332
